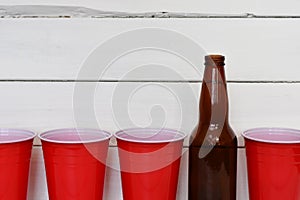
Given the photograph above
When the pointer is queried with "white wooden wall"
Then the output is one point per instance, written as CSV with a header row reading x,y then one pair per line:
x,y
46,46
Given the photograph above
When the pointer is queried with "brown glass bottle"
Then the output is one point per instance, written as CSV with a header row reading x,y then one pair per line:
x,y
213,145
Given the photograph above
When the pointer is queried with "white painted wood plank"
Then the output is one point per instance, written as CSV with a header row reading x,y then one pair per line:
x,y
256,49
41,11
289,7
38,187
44,106
242,176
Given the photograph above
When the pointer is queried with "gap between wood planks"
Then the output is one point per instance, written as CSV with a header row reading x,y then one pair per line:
x,y
135,81
39,11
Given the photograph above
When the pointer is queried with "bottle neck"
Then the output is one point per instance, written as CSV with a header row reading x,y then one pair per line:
x,y
214,100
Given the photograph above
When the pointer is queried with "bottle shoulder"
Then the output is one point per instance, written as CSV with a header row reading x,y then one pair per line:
x,y
213,134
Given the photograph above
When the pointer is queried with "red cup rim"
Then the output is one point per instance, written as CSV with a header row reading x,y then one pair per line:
x,y
104,135
178,135
24,135
251,133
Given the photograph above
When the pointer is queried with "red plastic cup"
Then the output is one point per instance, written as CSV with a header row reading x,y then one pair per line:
x,y
273,161
75,162
149,163
15,153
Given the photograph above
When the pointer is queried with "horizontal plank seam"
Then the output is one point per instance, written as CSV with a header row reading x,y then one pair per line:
x,y
145,16
50,11
136,81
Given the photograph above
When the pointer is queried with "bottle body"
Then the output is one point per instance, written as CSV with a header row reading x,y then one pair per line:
x,y
213,176
213,145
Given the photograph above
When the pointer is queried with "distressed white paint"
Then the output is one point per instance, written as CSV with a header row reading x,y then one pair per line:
x,y
267,7
43,106
49,48
112,189
255,49
39,11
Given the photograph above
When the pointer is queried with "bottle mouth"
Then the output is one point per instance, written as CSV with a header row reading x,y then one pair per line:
x,y
214,60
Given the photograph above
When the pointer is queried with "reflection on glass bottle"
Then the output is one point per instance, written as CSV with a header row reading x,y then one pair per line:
x,y
213,145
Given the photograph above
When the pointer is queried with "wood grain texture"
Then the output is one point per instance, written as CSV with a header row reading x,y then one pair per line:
x,y
113,106
265,7
112,189
59,49
83,64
